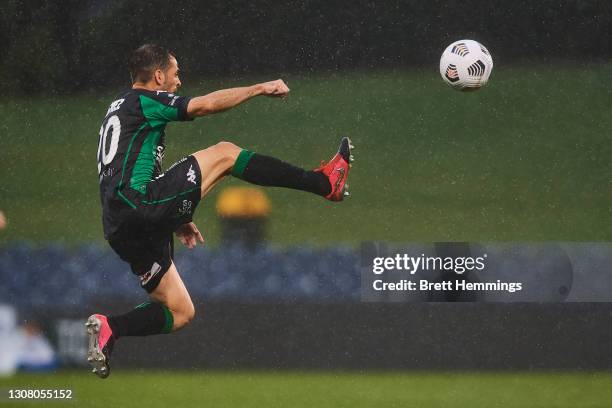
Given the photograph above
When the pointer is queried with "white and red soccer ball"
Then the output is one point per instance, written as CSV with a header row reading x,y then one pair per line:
x,y
466,65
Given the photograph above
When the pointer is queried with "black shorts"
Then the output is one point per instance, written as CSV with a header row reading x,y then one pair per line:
x,y
145,237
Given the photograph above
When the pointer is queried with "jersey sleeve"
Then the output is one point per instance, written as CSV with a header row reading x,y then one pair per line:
x,y
162,107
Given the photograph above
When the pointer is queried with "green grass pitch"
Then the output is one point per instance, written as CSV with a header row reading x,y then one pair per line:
x,y
526,158
319,389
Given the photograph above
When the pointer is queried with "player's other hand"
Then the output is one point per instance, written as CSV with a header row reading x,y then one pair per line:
x,y
276,88
189,235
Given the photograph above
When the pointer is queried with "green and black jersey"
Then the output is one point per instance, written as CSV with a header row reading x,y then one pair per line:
x,y
131,147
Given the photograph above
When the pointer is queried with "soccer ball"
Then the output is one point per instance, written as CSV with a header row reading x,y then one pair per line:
x,y
466,65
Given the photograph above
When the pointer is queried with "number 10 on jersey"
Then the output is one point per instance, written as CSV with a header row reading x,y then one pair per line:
x,y
112,125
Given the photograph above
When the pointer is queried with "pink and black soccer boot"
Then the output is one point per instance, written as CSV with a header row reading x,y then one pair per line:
x,y
101,343
337,170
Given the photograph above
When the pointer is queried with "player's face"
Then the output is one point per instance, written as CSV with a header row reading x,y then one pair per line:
x,y
172,81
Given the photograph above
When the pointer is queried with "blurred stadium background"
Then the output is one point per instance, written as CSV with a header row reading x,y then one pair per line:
x,y
280,322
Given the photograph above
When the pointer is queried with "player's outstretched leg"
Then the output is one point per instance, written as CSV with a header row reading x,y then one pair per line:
x,y
329,180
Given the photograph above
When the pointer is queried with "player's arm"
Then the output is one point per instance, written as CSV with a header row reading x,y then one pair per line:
x,y
225,99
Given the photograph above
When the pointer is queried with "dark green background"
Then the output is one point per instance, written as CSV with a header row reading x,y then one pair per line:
x,y
73,45
526,158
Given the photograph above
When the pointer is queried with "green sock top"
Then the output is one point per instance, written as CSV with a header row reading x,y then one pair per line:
x,y
241,162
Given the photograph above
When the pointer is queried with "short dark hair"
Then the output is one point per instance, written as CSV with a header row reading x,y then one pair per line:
x,y
148,58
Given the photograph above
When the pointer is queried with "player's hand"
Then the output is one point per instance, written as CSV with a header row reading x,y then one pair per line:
x,y
276,88
189,235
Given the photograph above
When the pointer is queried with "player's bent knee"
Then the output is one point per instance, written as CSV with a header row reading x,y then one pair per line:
x,y
189,313
218,159
183,316
228,150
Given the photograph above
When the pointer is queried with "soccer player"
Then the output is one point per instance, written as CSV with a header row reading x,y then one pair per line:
x,y
143,207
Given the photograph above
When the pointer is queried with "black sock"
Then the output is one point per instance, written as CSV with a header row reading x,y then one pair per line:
x,y
146,319
269,171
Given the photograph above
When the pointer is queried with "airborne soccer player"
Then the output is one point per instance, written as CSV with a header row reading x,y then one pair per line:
x,y
143,207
